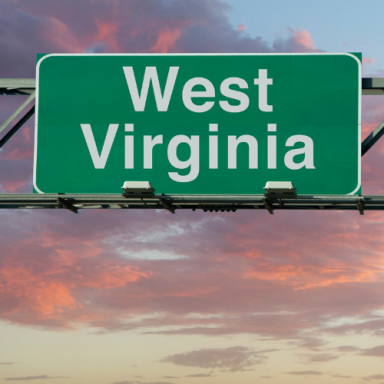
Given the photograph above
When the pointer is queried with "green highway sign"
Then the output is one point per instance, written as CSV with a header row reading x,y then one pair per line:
x,y
198,123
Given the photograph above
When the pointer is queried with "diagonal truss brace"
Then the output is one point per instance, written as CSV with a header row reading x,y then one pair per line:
x,y
361,205
371,140
64,203
268,205
17,126
17,112
17,87
372,86
167,205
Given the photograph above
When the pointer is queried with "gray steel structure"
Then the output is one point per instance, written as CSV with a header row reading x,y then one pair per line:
x,y
207,203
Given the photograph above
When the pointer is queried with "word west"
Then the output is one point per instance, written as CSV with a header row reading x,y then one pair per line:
x,y
162,101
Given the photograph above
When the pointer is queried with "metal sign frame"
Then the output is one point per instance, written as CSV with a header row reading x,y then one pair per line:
x,y
206,203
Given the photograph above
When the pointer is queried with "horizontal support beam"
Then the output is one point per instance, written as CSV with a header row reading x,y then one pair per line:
x,y
369,86
372,86
17,86
207,203
18,83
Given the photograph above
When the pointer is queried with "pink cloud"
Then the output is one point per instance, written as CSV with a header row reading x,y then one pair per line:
x,y
48,291
166,40
14,185
368,61
298,40
59,34
16,158
38,294
106,32
79,281
303,37
17,154
241,27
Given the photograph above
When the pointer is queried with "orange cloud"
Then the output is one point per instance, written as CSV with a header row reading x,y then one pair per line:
x,y
369,60
14,185
366,129
166,40
109,277
18,154
47,289
241,27
106,32
33,293
304,277
27,134
57,32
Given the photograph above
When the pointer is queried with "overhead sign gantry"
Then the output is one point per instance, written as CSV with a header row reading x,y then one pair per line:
x,y
209,132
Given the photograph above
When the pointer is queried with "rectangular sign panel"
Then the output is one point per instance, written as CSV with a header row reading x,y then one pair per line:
x,y
198,124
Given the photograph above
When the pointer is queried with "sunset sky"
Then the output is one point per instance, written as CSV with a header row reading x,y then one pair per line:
x,y
146,297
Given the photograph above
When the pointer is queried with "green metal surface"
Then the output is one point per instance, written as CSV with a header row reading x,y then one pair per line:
x,y
312,95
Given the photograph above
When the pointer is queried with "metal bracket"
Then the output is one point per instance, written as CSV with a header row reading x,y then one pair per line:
x,y
361,205
268,205
167,205
67,205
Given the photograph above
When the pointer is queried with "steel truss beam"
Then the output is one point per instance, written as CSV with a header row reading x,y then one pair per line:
x,y
372,86
206,203
17,86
